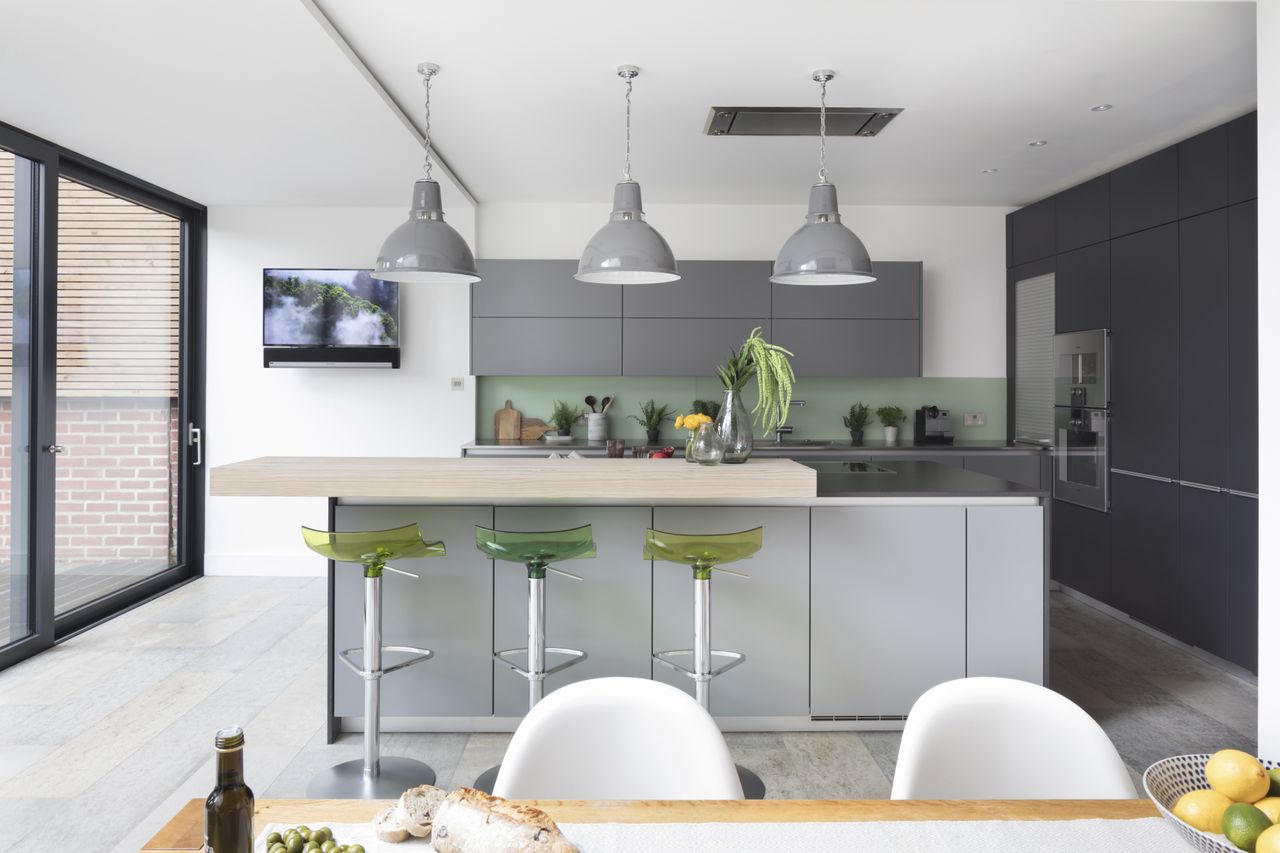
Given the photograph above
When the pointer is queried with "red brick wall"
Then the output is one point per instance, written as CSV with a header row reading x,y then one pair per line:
x,y
116,484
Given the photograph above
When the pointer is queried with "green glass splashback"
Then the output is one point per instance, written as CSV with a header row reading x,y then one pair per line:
x,y
827,401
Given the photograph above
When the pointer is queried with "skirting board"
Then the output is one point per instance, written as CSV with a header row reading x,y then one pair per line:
x,y
264,565
727,724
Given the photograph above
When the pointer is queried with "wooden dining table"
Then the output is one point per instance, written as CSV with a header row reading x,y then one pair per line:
x,y
185,831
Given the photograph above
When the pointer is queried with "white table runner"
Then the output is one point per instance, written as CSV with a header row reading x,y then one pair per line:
x,y
1143,835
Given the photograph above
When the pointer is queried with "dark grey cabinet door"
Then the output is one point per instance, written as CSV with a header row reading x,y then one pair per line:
x,y
1242,159
546,346
682,347
1144,549
706,289
540,288
1202,172
1082,289
1204,375
1144,346
1242,588
1201,585
1029,233
894,295
1081,549
1145,193
879,348
1084,214
1242,326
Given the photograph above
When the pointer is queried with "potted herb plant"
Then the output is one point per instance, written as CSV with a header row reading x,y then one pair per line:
x,y
768,364
563,417
651,417
856,420
892,417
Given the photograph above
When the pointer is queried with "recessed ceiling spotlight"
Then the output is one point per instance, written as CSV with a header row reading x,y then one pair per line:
x,y
989,171
1100,108
1039,143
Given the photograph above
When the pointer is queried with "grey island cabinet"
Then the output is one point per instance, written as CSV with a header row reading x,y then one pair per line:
x,y
874,583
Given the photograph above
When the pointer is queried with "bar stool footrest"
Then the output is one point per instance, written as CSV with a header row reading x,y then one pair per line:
x,y
735,658
419,656
576,656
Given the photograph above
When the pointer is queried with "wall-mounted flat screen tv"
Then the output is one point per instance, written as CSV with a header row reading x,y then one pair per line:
x,y
329,317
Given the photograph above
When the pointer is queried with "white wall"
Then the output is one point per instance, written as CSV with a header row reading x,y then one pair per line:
x,y
962,249
1269,366
253,411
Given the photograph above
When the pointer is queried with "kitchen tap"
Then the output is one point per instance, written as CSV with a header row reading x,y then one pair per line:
x,y
782,430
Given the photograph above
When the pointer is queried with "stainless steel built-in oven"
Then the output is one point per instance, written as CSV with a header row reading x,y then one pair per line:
x,y
1082,418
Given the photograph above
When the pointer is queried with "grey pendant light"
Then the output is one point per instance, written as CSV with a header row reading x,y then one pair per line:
x,y
823,251
627,250
425,249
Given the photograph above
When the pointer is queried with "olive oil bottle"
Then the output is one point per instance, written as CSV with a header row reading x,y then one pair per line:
x,y
228,812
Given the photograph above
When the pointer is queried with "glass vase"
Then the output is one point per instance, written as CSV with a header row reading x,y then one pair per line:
x,y
688,448
705,447
733,425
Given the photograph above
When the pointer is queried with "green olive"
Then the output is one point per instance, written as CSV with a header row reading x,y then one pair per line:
x,y
322,834
295,846
355,848
328,845
273,838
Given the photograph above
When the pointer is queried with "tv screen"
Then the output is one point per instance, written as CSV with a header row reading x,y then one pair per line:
x,y
329,308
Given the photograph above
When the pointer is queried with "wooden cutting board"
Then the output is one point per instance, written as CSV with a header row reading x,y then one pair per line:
x,y
532,429
506,423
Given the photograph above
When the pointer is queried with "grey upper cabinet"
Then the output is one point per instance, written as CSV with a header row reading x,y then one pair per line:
x,y
546,346
1083,214
880,348
1202,172
1082,289
654,346
540,288
706,289
1029,233
1242,159
1145,193
1204,373
896,294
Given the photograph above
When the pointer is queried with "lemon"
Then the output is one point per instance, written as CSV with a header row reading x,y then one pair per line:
x,y
1243,823
1270,807
1202,809
1238,775
1268,841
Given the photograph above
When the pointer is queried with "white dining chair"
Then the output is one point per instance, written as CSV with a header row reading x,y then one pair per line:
x,y
618,739
1001,739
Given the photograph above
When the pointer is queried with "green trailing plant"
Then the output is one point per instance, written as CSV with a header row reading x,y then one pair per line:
x,y
891,416
771,367
564,416
652,416
858,417
710,408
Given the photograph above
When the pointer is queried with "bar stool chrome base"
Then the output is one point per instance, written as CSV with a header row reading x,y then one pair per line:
x,y
735,658
348,781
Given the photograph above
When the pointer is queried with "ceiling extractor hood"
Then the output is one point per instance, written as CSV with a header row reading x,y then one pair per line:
x,y
796,121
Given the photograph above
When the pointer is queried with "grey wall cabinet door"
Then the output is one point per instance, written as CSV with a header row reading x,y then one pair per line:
x,y
879,348
1242,159
1014,467
1082,289
540,288
1144,549
706,289
894,295
1201,582
606,614
1242,327
763,616
888,606
1006,592
1144,346
449,610
553,346
1145,193
1204,374
1081,549
1030,233
1083,214
1242,594
1202,172
681,347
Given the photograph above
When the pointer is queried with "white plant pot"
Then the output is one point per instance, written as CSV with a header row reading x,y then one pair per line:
x,y
891,435
597,426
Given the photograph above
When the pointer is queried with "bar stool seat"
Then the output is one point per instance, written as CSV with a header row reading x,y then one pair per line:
x,y
372,776
706,553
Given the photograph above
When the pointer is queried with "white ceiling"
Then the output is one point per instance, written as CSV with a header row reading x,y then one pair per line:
x,y
250,101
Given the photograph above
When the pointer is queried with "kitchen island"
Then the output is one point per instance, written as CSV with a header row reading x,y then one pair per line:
x,y
876,580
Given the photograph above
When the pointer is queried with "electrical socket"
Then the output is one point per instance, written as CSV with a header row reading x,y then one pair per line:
x,y
457,383
975,419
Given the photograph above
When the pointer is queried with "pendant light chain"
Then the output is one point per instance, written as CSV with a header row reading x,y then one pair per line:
x,y
822,130
427,74
626,170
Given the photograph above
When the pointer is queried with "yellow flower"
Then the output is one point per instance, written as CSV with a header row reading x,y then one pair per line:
x,y
679,421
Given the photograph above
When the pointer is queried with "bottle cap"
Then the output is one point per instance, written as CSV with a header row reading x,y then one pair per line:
x,y
231,737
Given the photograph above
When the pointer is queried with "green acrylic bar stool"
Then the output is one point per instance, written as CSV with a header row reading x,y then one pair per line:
x,y
373,777
706,553
536,550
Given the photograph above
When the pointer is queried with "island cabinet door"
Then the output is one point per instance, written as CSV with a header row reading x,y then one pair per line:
x,y
448,609
1006,592
888,606
606,614
765,616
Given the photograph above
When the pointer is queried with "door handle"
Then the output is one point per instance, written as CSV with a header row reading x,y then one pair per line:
x,y
193,440
55,448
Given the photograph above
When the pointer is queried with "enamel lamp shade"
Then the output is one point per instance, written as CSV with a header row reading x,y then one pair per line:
x,y
627,250
823,251
424,248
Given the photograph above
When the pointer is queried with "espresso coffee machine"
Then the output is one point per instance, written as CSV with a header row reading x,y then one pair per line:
x,y
933,426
